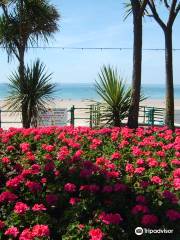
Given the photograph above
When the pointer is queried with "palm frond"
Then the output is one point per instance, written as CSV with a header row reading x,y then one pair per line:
x,y
35,91
115,95
23,27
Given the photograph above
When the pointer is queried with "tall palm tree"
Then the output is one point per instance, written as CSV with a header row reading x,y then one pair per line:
x,y
174,8
137,8
34,91
22,24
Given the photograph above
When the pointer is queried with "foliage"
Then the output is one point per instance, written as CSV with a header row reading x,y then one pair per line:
x,y
34,92
115,95
23,23
79,183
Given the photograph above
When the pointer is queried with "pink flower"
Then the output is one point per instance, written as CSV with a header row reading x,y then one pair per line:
x,y
48,148
144,184
56,173
173,215
5,160
49,167
77,155
63,153
136,151
120,187
84,188
101,161
70,187
81,226
40,230
175,162
96,141
176,173
152,162
51,199
140,161
25,147
73,201
94,188
48,156
96,234
110,218
139,209
139,170
163,164
170,196
14,182
123,144
156,180
177,154
38,207
7,197
30,156
26,235
141,199
10,148
115,156
37,137
36,168
34,187
112,174
176,183
12,231
43,180
161,153
129,168
2,224
20,208
149,219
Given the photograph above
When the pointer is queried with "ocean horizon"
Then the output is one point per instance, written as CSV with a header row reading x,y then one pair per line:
x,y
81,91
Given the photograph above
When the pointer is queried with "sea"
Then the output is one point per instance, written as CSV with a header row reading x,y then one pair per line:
x,y
82,91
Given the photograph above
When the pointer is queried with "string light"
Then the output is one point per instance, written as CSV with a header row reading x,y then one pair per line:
x,y
95,48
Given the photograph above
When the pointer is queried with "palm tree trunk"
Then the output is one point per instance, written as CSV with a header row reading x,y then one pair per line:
x,y
25,116
169,118
25,120
117,120
136,81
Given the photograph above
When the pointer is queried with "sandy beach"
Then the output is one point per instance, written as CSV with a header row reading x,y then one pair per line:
x,y
79,113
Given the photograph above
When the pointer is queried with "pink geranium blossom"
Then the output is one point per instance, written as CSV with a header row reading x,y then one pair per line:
x,y
110,218
12,231
149,219
96,234
40,230
70,187
21,208
38,207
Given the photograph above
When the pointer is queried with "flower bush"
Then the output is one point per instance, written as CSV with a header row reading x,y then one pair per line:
x,y
79,183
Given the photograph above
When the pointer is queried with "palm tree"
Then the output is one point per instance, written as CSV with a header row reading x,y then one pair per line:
x,y
115,95
22,24
34,92
137,8
173,8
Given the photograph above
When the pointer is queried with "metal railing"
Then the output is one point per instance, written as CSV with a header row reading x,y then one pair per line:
x,y
148,115
152,115
8,122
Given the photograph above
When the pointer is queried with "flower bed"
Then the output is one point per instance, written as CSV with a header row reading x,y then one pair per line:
x,y
66,183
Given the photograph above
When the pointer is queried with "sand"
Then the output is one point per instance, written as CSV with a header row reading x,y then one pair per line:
x,y
79,113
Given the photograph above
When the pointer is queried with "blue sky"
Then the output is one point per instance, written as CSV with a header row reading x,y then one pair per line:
x,y
99,24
